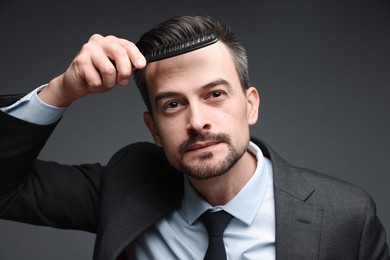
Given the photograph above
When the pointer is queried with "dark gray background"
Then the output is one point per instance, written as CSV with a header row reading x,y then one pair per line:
x,y
322,68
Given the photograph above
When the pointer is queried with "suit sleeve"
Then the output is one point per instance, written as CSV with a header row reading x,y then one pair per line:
x,y
7,100
373,245
38,192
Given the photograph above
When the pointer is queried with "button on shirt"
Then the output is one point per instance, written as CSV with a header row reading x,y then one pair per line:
x,y
250,234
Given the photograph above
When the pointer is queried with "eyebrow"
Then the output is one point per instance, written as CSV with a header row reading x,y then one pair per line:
x,y
209,85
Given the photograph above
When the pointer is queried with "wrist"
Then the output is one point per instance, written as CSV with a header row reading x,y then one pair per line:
x,y
54,95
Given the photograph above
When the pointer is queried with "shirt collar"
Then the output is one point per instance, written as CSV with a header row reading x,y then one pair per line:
x,y
243,206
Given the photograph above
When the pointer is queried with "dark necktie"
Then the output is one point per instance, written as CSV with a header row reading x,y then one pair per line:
x,y
215,224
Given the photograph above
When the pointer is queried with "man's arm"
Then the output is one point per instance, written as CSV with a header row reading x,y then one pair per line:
x,y
43,193
48,193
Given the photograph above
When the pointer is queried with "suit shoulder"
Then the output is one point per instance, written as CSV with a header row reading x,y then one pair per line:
x,y
333,189
139,151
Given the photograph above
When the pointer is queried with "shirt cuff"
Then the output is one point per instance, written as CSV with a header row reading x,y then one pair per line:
x,y
32,109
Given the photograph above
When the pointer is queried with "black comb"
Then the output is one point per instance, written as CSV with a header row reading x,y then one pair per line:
x,y
181,47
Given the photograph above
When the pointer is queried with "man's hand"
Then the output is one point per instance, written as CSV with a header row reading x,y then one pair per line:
x,y
102,63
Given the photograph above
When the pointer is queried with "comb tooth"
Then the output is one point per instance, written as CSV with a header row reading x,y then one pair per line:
x,y
180,47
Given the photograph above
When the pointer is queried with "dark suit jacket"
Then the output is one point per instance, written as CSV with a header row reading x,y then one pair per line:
x,y
317,216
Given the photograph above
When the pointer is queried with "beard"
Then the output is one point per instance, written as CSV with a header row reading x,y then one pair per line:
x,y
206,168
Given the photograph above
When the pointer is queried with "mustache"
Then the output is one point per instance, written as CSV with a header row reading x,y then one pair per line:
x,y
202,137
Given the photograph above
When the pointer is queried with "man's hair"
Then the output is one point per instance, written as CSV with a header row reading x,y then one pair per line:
x,y
181,29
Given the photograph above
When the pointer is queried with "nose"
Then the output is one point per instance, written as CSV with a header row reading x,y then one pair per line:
x,y
198,120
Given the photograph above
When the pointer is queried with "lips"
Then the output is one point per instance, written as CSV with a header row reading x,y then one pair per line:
x,y
201,145
202,141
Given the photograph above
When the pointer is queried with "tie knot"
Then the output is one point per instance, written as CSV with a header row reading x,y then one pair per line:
x,y
215,222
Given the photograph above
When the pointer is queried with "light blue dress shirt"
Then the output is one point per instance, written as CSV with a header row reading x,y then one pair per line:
x,y
180,235
31,109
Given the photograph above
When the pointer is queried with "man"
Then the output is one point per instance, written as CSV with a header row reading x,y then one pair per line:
x,y
148,202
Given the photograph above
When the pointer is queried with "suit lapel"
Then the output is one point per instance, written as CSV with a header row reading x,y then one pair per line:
x,y
133,217
298,228
298,224
157,194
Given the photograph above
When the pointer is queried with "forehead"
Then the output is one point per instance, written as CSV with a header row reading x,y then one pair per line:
x,y
192,69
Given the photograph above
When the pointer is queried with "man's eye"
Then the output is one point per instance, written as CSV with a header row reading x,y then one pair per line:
x,y
171,105
216,94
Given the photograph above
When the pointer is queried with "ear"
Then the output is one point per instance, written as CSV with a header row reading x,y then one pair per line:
x,y
253,103
148,120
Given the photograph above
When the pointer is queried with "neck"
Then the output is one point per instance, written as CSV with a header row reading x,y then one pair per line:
x,y
222,189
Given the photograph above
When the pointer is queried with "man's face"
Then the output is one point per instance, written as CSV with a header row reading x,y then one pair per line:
x,y
200,113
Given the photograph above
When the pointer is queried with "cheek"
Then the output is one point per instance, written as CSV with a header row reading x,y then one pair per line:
x,y
236,115
170,145
171,134
239,125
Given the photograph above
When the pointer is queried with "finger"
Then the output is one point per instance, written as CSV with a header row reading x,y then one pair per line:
x,y
102,64
100,50
114,58
92,77
137,58
119,56
126,56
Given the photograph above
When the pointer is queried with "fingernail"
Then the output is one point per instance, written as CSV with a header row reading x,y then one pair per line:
x,y
123,82
140,62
